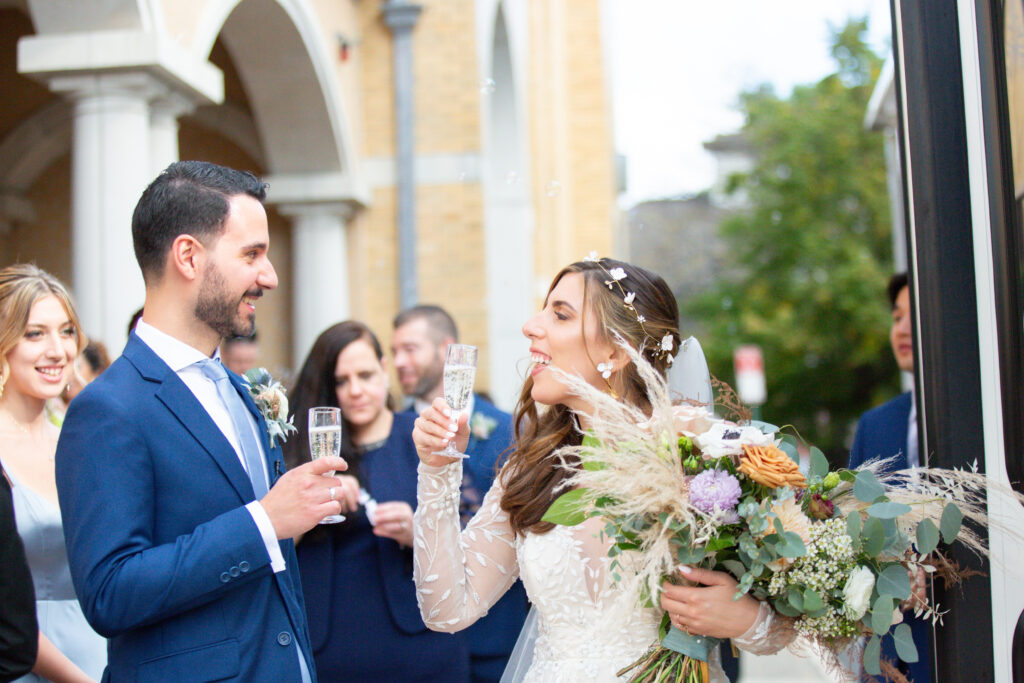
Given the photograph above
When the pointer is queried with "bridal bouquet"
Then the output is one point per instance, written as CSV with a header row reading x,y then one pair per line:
x,y
830,549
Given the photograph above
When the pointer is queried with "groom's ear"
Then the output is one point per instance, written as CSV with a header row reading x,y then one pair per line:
x,y
184,256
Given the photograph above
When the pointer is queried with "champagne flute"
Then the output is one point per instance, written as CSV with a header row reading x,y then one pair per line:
x,y
459,372
325,439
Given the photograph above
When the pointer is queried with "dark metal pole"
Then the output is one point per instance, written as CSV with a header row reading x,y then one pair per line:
x,y
401,17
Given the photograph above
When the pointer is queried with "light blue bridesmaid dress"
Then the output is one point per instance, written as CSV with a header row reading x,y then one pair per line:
x,y
60,616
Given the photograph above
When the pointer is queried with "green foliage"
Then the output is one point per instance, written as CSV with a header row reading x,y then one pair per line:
x,y
567,509
812,256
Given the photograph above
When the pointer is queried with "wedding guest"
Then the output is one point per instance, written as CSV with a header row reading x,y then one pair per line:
x,y
890,431
240,353
92,361
19,630
40,338
418,344
588,628
357,575
179,531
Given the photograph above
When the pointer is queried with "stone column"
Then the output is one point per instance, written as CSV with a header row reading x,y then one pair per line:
x,y
164,112
319,270
109,169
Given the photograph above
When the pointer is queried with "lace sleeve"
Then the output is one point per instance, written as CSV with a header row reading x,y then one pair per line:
x,y
459,575
769,633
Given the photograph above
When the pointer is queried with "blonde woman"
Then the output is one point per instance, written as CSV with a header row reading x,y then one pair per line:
x,y
40,338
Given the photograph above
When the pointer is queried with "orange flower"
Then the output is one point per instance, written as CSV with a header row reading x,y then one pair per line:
x,y
769,466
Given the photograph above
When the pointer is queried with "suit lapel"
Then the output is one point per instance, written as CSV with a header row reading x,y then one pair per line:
x,y
272,456
182,403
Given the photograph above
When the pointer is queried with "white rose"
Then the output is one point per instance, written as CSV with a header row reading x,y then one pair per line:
x,y
857,592
728,439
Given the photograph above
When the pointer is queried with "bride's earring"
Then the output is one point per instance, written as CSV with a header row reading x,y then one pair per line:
x,y
606,371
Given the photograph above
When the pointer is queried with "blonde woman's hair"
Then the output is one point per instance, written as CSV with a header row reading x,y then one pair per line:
x,y
21,286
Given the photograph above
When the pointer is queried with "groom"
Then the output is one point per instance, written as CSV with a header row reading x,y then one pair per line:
x,y
177,520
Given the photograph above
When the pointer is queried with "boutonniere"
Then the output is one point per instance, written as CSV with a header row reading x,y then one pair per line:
x,y
270,398
482,426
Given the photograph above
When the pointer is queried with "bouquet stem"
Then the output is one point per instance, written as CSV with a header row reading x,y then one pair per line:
x,y
680,658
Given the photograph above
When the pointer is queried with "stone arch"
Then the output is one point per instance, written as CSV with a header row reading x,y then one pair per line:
x,y
288,77
96,15
508,211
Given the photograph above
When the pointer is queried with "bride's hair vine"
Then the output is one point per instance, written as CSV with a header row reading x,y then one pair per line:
x,y
663,348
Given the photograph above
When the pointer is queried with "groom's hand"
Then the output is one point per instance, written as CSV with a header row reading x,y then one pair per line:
x,y
302,497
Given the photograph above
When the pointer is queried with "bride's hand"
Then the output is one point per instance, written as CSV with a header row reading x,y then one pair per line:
x,y
434,428
708,609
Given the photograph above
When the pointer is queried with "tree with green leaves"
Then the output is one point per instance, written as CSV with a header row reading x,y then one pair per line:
x,y
812,255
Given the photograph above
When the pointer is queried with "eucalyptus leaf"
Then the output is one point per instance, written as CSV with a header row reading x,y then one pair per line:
x,y
847,475
795,598
894,581
950,523
866,487
567,509
905,647
872,656
927,536
765,427
873,536
792,545
853,527
881,614
888,510
819,463
813,602
790,450
690,554
784,608
737,569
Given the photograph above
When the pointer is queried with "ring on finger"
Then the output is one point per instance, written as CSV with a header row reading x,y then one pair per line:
x,y
331,492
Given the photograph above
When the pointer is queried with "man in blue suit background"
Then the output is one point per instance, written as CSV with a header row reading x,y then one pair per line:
x,y
177,523
419,342
890,431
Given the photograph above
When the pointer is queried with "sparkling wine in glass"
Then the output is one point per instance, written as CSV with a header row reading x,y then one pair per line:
x,y
459,373
325,439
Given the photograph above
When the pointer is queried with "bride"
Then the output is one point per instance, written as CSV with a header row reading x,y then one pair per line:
x,y
588,626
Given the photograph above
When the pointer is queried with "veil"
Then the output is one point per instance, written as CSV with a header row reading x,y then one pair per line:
x,y
688,380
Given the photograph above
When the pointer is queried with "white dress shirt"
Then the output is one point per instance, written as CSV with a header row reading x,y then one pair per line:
x,y
182,359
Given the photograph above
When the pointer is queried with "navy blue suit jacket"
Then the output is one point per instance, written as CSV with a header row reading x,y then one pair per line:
x,y
495,634
882,432
166,561
349,562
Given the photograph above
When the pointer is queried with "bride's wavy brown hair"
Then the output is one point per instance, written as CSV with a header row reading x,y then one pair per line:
x,y
531,478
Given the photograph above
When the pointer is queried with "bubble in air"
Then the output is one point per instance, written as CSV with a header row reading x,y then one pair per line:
x,y
553,188
512,178
487,86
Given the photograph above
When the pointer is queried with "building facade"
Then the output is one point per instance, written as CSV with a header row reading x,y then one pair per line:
x,y
451,151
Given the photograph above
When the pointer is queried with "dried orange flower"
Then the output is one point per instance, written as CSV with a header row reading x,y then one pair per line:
x,y
769,466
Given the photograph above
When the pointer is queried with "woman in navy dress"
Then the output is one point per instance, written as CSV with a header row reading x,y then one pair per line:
x,y
364,623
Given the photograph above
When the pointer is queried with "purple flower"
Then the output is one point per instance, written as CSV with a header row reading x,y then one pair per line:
x,y
713,490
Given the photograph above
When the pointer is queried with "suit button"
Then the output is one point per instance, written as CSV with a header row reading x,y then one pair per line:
x,y
225,577
244,566
234,572
284,638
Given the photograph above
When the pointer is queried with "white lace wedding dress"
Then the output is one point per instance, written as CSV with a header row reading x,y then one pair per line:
x,y
588,629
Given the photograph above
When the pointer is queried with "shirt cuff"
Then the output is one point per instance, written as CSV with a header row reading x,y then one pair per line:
x,y
266,527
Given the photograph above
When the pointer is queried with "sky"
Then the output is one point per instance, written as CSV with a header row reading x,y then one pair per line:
x,y
678,66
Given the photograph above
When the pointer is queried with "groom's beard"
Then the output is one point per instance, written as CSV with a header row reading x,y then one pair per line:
x,y
219,310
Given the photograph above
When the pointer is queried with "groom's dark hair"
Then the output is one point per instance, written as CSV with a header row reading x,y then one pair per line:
x,y
187,198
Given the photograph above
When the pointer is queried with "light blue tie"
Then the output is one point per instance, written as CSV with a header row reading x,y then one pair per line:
x,y
239,416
